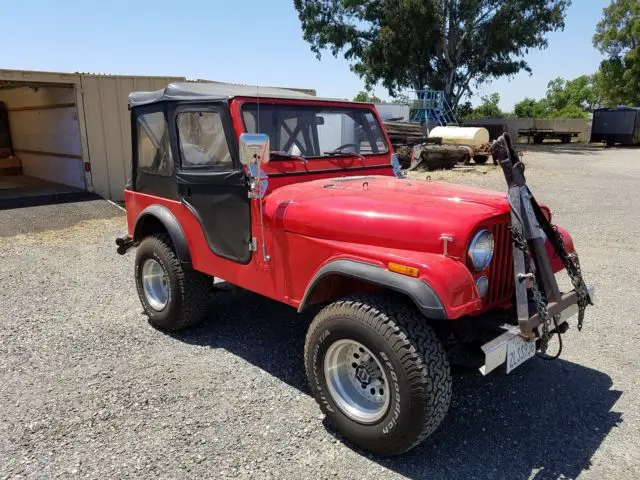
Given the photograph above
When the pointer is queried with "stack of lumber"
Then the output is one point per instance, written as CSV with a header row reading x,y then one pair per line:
x,y
404,133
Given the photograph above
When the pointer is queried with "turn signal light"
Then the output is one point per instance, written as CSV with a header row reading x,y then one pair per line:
x,y
403,269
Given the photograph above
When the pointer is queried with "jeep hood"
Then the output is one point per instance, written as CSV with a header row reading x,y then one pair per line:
x,y
384,211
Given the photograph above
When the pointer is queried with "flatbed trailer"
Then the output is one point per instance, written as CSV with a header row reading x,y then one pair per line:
x,y
539,135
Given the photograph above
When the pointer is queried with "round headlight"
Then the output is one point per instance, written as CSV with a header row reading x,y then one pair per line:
x,y
481,249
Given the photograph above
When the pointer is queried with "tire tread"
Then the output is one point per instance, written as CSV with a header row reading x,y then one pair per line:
x,y
192,286
416,345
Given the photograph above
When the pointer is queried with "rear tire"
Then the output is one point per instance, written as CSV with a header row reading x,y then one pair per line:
x,y
172,297
391,341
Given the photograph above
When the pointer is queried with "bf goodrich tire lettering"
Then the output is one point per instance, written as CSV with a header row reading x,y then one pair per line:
x,y
412,358
187,290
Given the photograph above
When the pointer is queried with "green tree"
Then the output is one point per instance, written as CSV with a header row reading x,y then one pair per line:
x,y
464,110
618,38
585,92
531,108
363,96
564,99
489,108
582,92
612,86
557,97
568,111
449,45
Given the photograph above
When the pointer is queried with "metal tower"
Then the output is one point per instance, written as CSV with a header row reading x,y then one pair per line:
x,y
433,109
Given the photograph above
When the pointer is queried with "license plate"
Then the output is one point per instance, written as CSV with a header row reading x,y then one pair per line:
x,y
518,352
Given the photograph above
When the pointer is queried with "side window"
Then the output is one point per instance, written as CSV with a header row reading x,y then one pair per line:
x,y
202,141
154,152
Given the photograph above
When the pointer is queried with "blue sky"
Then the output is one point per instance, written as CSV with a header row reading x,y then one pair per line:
x,y
243,41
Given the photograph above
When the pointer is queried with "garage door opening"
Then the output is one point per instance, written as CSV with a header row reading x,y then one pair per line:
x,y
40,145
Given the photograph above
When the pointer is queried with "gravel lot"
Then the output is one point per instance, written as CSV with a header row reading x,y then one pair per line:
x,y
89,389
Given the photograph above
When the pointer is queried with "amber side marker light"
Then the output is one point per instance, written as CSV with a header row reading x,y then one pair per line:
x,y
403,269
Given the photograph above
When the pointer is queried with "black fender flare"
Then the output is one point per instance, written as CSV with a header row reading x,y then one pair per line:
x,y
171,224
420,292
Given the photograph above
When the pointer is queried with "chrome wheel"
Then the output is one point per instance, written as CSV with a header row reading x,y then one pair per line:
x,y
155,284
356,381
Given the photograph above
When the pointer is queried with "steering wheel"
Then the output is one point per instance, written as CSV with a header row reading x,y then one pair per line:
x,y
347,145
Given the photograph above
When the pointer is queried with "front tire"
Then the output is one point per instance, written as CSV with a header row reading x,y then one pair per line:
x,y
378,372
172,297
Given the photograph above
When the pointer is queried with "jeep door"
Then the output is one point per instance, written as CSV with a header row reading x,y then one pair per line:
x,y
211,181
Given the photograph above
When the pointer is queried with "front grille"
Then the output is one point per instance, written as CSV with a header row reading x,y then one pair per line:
x,y
501,284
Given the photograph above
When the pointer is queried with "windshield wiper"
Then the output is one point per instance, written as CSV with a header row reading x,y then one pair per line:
x,y
277,153
346,153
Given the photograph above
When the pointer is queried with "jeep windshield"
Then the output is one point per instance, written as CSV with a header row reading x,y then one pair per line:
x,y
316,131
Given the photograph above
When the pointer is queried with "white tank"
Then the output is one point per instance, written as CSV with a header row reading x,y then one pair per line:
x,y
472,136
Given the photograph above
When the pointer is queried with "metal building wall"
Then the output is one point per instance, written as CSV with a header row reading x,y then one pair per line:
x,y
108,127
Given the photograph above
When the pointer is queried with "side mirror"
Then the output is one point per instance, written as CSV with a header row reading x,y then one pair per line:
x,y
254,148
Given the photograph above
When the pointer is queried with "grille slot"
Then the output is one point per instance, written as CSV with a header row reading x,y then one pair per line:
x,y
501,269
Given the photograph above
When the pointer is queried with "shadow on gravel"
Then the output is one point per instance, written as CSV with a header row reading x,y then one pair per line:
x,y
265,333
544,420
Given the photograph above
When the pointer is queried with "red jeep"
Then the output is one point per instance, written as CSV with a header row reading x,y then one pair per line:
x,y
301,199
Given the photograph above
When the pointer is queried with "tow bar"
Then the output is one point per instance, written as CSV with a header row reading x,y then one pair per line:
x,y
530,231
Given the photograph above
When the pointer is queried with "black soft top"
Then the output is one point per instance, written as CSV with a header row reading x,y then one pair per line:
x,y
182,91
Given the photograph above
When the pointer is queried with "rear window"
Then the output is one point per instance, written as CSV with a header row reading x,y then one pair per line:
x,y
312,131
154,150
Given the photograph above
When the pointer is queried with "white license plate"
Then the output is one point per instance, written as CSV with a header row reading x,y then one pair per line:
x,y
518,352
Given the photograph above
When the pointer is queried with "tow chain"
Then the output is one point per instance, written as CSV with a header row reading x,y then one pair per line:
x,y
539,298
572,265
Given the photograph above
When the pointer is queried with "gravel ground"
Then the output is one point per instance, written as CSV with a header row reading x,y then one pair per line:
x,y
54,216
89,389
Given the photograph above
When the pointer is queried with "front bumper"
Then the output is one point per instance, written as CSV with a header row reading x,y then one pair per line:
x,y
495,351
